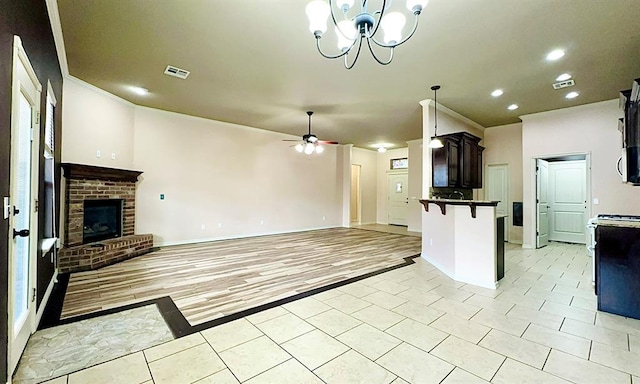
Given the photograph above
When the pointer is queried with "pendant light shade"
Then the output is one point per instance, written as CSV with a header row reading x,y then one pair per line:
x,y
435,142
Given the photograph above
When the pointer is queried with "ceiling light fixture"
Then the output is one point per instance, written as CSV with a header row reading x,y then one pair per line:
x,y
513,107
140,91
563,77
353,29
572,95
435,142
555,55
497,92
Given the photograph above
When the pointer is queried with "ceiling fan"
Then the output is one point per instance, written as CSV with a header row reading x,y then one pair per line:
x,y
310,142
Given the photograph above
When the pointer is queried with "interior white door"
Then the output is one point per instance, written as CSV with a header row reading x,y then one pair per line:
x,y
568,201
542,203
398,198
23,221
497,189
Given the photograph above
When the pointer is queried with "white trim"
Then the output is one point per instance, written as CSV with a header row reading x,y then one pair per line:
x,y
56,29
567,110
452,113
45,298
22,55
102,91
231,237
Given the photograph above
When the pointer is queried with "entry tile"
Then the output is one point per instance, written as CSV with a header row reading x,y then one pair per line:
x,y
619,323
384,299
486,292
253,357
347,303
468,356
616,358
314,348
223,377
417,334
569,312
174,346
582,371
285,328
128,369
419,296
558,340
231,334
306,307
369,341
634,343
556,297
378,317
506,324
451,293
414,365
333,322
419,312
516,348
352,367
186,366
289,372
326,295
535,316
590,304
513,371
456,308
390,287
59,380
460,376
602,335
357,289
492,304
461,328
269,314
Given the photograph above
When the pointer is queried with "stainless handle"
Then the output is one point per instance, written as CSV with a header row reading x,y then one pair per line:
x,y
618,166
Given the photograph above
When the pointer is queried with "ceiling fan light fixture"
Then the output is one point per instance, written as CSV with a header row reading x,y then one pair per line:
x,y
309,148
319,149
382,149
299,148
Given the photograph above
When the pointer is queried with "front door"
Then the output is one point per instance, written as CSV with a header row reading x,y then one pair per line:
x,y
542,203
498,190
568,201
25,112
398,198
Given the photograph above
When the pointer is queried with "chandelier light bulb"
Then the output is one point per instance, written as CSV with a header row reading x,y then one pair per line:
x,y
309,148
318,12
346,32
416,5
392,24
345,5
299,148
319,149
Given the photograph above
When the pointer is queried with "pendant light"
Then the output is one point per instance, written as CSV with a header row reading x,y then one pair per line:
x,y
435,142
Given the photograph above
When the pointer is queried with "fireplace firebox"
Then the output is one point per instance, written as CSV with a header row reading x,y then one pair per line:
x,y
102,220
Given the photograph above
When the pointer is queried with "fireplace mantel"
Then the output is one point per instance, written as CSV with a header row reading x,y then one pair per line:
x,y
92,172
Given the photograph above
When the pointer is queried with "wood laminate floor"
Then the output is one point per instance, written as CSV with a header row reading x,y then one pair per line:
x,y
211,280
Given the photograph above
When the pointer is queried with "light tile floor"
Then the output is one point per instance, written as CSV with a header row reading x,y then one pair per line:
x,y
412,325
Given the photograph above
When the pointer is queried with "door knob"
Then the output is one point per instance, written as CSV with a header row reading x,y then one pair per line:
x,y
22,233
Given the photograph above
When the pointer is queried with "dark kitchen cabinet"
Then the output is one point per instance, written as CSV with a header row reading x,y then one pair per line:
x,y
459,162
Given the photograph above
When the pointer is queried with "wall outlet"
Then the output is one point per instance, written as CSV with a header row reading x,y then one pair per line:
x,y
113,156
203,227
98,153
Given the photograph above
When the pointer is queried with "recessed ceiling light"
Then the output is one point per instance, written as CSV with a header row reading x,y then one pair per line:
x,y
572,95
555,54
513,107
497,92
563,77
140,91
382,149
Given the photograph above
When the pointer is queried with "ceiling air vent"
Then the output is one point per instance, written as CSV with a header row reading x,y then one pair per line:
x,y
176,72
564,84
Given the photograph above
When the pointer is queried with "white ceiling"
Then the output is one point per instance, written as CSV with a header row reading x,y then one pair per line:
x,y
255,63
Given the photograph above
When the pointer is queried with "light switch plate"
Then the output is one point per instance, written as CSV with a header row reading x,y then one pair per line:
x,y
596,201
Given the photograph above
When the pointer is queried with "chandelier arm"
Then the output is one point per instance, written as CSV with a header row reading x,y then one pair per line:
x,y
346,64
415,27
382,10
332,56
376,57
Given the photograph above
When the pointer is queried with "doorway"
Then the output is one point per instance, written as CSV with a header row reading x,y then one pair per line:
x,y
23,219
398,197
498,190
562,192
355,200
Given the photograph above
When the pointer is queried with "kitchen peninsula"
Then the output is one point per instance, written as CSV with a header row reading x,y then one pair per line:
x,y
463,239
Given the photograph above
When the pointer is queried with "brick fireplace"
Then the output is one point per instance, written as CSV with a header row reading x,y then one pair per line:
x,y
88,186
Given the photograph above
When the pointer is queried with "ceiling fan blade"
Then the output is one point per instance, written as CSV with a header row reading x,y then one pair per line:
x,y
290,140
327,142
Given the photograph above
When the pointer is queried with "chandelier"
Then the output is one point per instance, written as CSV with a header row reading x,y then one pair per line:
x,y
353,28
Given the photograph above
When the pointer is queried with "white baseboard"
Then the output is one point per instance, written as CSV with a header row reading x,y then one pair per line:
x,y
45,299
242,236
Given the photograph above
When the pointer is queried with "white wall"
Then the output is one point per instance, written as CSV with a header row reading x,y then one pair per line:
x,y
94,120
414,216
233,180
384,165
503,145
590,128
368,161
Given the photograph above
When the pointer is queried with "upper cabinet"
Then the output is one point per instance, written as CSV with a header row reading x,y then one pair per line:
x,y
459,162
